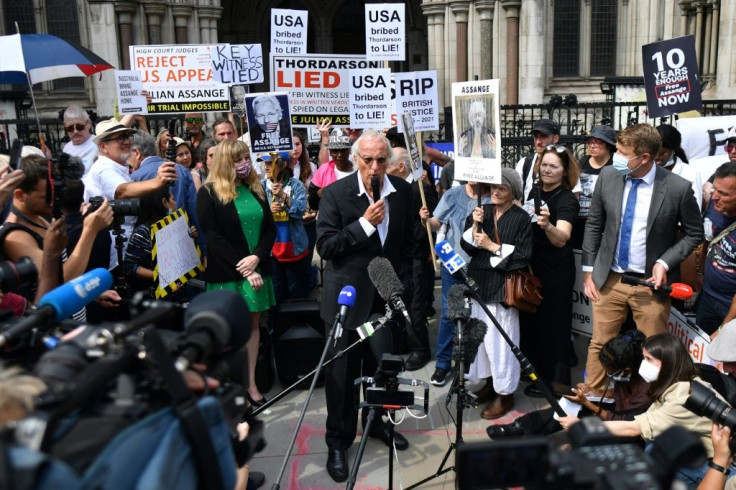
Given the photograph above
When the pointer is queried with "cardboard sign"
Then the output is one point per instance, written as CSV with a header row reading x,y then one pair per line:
x,y
370,98
705,136
269,125
671,76
174,253
416,93
289,31
412,146
385,28
129,87
237,64
475,109
318,86
179,78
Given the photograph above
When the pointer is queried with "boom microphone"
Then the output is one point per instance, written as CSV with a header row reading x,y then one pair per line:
x,y
458,308
346,299
376,187
475,332
678,290
216,321
387,283
61,303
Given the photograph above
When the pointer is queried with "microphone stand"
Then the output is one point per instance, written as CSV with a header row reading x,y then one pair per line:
x,y
458,387
315,374
526,365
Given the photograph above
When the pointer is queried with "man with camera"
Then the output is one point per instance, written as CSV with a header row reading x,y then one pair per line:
x,y
110,178
720,475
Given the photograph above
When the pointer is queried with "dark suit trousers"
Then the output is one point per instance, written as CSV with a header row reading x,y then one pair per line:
x,y
361,360
418,338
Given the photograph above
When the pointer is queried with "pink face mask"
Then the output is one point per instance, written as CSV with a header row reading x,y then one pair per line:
x,y
242,170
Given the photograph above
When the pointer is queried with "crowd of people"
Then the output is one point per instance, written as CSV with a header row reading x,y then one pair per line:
x,y
632,204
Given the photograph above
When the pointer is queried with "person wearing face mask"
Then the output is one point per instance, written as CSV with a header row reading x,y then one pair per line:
x,y
138,265
669,370
621,357
643,221
240,232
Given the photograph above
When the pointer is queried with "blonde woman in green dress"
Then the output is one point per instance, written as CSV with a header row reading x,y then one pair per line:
x,y
240,233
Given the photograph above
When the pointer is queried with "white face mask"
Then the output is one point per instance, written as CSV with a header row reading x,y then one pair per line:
x,y
648,371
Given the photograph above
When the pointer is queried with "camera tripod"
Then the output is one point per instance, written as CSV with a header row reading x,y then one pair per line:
x,y
462,401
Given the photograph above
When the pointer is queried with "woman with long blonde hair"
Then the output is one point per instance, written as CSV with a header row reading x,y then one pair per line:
x,y
240,233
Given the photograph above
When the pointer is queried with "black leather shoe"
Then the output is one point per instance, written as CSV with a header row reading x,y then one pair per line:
x,y
256,479
256,403
513,429
337,465
533,392
416,361
400,442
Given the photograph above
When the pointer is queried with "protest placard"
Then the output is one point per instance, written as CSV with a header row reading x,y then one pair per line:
x,y
370,98
412,145
705,136
318,86
129,87
475,109
289,31
671,76
175,255
269,124
385,32
179,78
416,93
237,64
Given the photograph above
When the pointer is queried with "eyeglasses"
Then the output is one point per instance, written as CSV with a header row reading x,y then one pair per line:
x,y
120,139
78,127
558,149
592,141
731,146
370,160
191,120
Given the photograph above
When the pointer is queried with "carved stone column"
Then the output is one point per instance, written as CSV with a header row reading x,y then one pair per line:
x,y
715,19
125,11
486,9
435,13
208,17
460,10
154,18
512,8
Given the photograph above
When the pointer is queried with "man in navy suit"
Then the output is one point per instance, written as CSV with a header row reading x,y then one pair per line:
x,y
644,221
352,229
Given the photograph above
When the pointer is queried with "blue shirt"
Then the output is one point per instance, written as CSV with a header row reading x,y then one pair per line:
x,y
720,265
183,190
453,208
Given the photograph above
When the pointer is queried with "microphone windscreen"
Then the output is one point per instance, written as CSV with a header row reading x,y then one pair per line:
x,y
456,304
630,280
475,332
220,311
69,298
384,278
347,296
376,188
681,291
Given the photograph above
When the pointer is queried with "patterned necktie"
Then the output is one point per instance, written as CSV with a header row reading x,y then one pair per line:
x,y
628,223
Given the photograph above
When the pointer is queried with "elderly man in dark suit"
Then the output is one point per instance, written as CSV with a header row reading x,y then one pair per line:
x,y
644,221
352,229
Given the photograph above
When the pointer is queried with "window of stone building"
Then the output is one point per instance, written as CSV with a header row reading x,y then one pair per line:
x,y
584,39
60,17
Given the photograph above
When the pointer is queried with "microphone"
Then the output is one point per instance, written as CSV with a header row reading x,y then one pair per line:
x,y
371,326
475,332
15,154
453,262
376,187
677,290
458,308
346,299
388,285
215,322
61,303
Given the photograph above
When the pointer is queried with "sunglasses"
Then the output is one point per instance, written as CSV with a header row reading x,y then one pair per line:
x,y
558,149
191,120
120,139
78,127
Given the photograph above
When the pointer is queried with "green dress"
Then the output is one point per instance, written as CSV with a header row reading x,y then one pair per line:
x,y
251,219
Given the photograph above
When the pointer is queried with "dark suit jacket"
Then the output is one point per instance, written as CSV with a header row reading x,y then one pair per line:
x,y
342,242
226,241
673,209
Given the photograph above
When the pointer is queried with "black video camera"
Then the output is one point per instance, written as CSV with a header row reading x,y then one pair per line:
x,y
64,168
598,460
120,207
21,274
382,390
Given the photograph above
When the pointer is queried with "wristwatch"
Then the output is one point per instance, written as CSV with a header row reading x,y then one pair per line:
x,y
497,253
719,468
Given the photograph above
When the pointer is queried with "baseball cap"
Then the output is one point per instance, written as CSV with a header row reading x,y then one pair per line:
x,y
546,126
732,134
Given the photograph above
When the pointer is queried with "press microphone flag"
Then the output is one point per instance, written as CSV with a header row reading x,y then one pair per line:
x,y
346,300
452,261
59,304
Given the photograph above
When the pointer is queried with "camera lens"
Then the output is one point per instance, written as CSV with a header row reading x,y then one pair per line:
x,y
13,275
704,402
126,207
